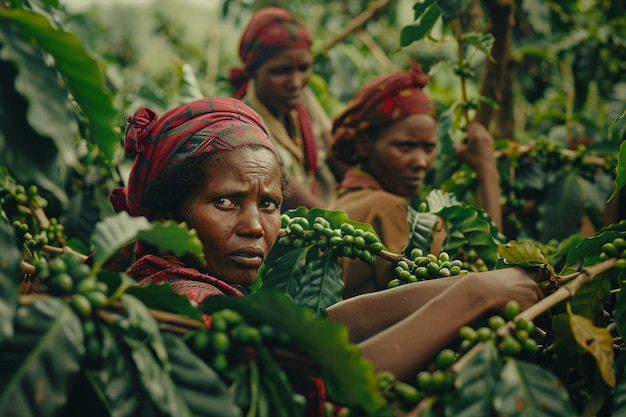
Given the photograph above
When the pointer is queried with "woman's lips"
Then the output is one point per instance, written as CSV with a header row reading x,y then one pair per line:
x,y
248,258
412,181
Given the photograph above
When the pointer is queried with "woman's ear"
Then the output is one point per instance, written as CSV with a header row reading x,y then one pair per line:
x,y
363,146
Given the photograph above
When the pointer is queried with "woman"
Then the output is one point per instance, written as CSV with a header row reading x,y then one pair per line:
x,y
388,133
275,49
209,163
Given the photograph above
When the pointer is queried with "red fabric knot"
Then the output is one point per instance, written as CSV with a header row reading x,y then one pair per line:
x,y
137,130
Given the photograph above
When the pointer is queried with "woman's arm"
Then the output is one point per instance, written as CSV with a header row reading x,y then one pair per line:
x,y
410,324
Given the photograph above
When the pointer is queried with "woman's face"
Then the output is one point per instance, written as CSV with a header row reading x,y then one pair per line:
x,y
279,80
401,154
236,211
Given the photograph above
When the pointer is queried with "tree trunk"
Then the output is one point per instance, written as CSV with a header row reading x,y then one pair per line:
x,y
497,77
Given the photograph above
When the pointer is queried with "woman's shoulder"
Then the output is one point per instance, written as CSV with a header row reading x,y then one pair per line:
x,y
369,197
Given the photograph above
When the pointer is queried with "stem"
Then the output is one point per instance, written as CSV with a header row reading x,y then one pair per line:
x,y
457,33
357,22
565,292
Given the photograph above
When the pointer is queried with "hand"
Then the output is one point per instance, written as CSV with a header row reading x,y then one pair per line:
x,y
478,149
503,285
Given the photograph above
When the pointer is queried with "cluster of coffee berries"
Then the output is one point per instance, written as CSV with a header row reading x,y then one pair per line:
x,y
66,275
228,330
615,249
405,394
518,342
441,379
425,266
346,240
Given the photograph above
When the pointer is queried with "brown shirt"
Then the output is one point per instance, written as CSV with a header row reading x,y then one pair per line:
x,y
387,213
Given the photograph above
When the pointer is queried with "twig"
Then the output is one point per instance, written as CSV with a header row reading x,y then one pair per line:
x,y
377,51
563,293
357,22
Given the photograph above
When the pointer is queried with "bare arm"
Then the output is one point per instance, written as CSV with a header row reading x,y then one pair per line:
x,y
478,153
411,326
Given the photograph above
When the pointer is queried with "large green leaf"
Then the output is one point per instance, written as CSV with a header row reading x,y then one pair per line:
x,y
422,25
10,259
522,253
620,170
562,211
81,73
142,335
475,383
321,285
282,272
526,389
18,121
204,392
113,381
349,378
162,297
421,226
38,365
115,231
588,250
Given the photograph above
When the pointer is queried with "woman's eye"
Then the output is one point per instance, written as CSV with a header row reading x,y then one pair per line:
x,y
224,202
269,204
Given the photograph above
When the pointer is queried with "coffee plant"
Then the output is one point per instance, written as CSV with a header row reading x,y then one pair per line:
x,y
78,336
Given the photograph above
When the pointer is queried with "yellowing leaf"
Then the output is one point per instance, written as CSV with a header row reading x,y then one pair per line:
x,y
597,341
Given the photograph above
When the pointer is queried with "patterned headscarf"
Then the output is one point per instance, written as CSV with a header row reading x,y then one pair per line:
x,y
381,100
198,127
270,31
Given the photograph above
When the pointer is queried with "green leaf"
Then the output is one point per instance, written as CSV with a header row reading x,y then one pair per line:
x,y
597,341
526,389
114,383
204,392
523,253
19,120
113,232
483,41
171,236
162,297
420,28
81,73
620,170
189,87
277,386
10,259
421,226
283,270
141,333
452,9
589,300
562,210
350,379
474,384
320,286
41,360
588,250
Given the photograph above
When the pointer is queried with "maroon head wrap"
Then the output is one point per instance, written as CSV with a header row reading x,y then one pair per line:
x,y
198,127
270,31
381,100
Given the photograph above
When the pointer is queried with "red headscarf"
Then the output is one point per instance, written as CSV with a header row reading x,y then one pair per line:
x,y
381,100
198,127
270,31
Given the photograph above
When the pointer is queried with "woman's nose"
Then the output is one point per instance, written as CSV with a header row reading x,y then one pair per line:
x,y
419,159
250,222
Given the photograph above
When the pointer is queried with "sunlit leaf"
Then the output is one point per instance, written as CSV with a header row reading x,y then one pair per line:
x,y
112,233
523,253
597,341
526,389
420,28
